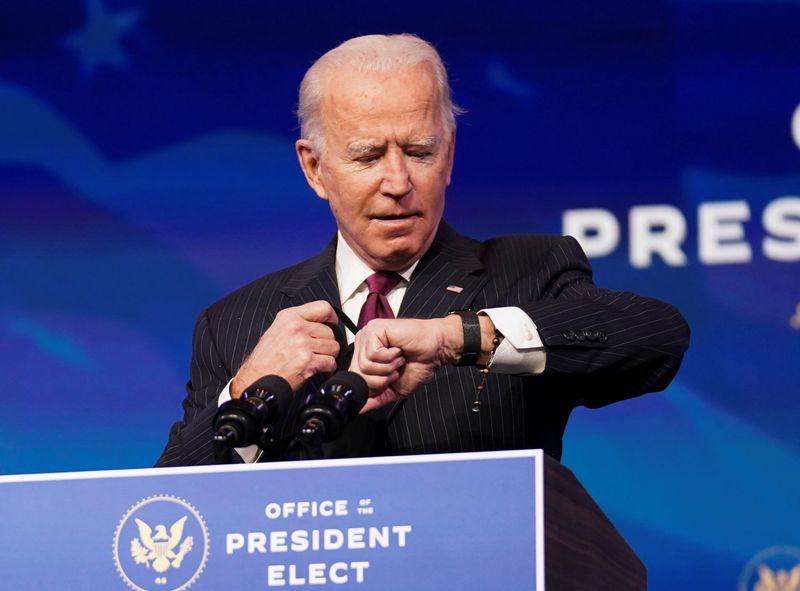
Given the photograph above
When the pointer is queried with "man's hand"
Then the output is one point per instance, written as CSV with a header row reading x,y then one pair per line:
x,y
296,346
396,356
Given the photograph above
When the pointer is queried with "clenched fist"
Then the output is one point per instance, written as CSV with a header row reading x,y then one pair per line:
x,y
296,346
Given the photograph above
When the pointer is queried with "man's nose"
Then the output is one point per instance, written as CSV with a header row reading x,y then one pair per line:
x,y
396,181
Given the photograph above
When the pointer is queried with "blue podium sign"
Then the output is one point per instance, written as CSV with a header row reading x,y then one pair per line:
x,y
454,521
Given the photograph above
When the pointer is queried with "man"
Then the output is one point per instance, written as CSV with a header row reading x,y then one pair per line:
x,y
378,141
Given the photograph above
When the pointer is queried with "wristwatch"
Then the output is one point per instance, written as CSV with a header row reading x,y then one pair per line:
x,y
472,337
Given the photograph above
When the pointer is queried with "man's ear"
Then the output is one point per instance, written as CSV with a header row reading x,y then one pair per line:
x,y
451,156
309,160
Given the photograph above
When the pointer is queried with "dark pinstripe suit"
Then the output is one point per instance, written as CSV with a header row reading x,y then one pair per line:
x,y
602,346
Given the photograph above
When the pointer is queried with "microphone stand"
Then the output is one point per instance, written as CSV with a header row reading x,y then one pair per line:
x,y
223,448
310,441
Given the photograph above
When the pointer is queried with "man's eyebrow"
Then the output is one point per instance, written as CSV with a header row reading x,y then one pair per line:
x,y
362,147
422,142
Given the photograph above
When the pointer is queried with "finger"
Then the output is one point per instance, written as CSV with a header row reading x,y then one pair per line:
x,y
372,357
370,342
320,331
325,363
377,384
385,397
383,354
316,364
327,347
381,369
318,311
373,334
371,404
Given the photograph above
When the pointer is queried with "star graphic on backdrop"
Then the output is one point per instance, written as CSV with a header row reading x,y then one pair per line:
x,y
98,43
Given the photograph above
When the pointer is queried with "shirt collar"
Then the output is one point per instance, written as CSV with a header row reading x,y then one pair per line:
x,y
351,271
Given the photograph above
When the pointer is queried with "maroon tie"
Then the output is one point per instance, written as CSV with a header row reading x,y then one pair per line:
x,y
377,306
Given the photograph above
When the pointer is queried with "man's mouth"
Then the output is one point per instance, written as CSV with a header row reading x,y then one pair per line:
x,y
389,218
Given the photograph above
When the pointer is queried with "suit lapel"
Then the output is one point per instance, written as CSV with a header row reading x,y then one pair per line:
x,y
315,280
452,262
448,277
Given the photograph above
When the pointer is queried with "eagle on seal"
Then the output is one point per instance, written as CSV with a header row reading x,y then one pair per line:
x,y
159,549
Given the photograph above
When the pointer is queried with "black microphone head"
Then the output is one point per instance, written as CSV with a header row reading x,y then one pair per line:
x,y
348,381
275,390
247,419
327,410
235,423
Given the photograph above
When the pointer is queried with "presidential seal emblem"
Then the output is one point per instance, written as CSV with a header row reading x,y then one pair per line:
x,y
772,569
161,544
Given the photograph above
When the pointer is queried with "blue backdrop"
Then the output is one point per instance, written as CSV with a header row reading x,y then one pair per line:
x,y
147,168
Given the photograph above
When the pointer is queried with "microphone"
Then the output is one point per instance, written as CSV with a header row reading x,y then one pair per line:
x,y
326,411
247,420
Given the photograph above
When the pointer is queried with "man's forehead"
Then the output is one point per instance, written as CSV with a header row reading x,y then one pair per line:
x,y
349,89
346,75
363,108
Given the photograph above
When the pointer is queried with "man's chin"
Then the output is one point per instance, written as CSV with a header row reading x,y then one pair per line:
x,y
390,251
396,259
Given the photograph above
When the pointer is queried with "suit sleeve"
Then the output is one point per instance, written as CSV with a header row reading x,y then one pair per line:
x,y
190,440
602,346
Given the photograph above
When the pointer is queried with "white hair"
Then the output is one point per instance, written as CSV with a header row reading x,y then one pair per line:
x,y
373,54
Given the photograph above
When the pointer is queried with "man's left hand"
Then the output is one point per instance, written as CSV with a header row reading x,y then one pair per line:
x,y
397,356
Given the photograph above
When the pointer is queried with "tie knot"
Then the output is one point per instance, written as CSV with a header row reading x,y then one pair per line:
x,y
383,282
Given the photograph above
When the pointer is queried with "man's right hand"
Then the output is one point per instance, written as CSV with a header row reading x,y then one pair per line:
x,y
296,346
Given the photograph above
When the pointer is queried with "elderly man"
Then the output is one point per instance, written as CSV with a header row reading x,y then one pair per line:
x,y
532,338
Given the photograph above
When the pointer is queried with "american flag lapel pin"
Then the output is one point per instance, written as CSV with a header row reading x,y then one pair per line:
x,y
455,288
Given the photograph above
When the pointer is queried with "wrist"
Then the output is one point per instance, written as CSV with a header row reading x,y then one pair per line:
x,y
241,382
490,338
237,387
469,339
470,349
452,339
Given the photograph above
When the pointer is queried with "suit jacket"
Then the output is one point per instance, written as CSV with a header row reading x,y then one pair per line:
x,y
602,346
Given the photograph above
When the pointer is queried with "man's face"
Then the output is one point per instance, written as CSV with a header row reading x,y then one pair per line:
x,y
386,162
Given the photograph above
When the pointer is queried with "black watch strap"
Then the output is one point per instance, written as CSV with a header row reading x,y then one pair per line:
x,y
472,337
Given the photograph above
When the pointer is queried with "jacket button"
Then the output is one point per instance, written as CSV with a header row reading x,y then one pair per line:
x,y
568,335
601,336
580,335
591,334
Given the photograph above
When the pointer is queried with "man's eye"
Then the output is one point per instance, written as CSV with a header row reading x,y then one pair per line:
x,y
421,154
368,158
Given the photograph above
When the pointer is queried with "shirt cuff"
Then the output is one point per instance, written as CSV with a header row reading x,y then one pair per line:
x,y
522,350
250,453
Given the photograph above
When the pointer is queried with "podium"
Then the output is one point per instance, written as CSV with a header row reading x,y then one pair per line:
x,y
466,522
583,550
